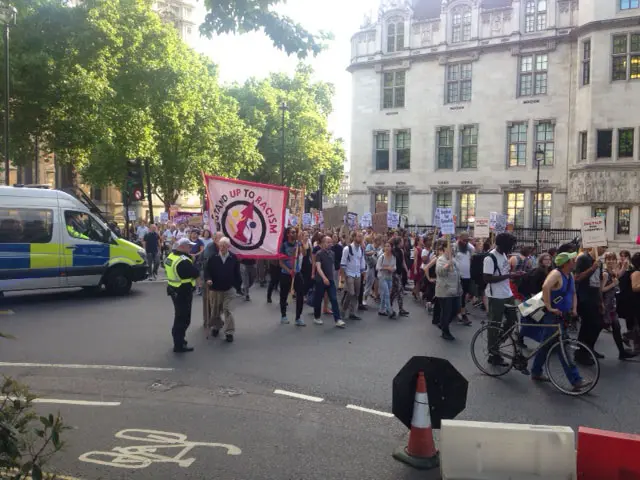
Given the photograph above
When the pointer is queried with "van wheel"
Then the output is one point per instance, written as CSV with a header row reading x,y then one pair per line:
x,y
117,282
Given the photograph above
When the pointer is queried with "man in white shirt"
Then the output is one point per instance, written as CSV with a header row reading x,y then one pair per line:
x,y
353,268
182,232
141,231
463,251
496,273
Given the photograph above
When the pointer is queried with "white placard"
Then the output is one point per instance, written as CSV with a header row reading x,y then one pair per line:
x,y
447,223
594,233
501,223
393,219
306,219
164,217
492,220
132,215
481,227
365,220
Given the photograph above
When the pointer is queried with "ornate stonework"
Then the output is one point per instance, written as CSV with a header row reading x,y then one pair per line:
x,y
564,6
609,186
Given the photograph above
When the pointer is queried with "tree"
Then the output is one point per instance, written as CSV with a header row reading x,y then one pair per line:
x,y
309,147
241,16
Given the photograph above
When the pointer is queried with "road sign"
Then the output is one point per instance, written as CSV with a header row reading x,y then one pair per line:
x,y
446,390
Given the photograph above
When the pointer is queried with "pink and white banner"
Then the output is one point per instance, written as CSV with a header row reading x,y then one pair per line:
x,y
251,215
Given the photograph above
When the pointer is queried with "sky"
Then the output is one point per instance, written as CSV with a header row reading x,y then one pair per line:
x,y
253,55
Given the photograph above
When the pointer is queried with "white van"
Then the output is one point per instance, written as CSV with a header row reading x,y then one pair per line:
x,y
48,239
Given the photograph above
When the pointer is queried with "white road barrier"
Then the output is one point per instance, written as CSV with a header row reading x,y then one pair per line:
x,y
505,451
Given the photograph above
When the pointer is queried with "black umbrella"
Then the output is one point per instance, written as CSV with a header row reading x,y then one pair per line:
x,y
446,389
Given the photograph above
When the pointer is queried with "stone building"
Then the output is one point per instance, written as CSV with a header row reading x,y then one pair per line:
x,y
455,102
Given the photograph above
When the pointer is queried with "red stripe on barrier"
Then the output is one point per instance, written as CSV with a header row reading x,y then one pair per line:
x,y
604,455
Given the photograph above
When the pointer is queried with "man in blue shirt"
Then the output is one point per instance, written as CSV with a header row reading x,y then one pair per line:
x,y
353,270
290,272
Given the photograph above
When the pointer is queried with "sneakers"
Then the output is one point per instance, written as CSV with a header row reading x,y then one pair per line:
x,y
300,322
383,314
229,337
269,300
247,298
581,385
625,355
392,315
354,317
318,321
540,378
284,321
464,320
340,324
403,313
214,332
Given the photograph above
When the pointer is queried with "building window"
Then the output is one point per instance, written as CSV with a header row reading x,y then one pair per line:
x,y
533,75
382,150
459,82
403,150
445,148
535,18
515,209
627,4
542,210
600,212
96,194
461,25
605,143
467,212
623,221
444,200
469,146
545,141
395,34
402,203
583,145
518,145
586,62
393,90
626,57
381,198
625,142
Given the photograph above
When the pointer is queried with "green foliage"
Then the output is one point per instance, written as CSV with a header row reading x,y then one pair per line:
x,y
241,16
309,147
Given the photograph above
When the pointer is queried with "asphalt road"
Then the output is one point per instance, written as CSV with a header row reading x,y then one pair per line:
x,y
224,393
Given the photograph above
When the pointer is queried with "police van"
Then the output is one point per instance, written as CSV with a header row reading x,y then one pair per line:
x,y
48,239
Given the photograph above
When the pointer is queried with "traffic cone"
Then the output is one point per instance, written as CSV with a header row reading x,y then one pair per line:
x,y
421,452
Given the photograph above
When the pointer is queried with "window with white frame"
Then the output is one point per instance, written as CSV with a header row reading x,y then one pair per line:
x,y
444,145
461,24
586,62
515,209
545,132
401,203
583,144
535,17
542,210
467,213
382,150
444,199
403,149
628,4
381,198
517,135
395,34
625,64
469,146
459,82
532,77
393,89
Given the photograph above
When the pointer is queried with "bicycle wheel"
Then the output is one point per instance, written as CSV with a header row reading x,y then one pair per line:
x,y
504,347
589,371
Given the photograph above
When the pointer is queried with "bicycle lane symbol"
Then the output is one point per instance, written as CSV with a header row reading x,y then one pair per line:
x,y
155,441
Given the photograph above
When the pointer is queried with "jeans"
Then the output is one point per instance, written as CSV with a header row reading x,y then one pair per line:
x,y
497,312
320,289
570,369
370,280
154,263
385,294
248,274
449,308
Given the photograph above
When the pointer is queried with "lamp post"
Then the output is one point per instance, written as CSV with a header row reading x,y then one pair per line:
x,y
539,159
7,17
284,108
321,191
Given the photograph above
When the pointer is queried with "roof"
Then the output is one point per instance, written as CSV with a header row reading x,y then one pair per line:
x,y
35,192
431,8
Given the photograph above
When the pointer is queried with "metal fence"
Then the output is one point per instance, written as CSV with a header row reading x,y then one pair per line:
x,y
552,237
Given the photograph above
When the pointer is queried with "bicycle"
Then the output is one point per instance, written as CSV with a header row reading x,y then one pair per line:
x,y
561,347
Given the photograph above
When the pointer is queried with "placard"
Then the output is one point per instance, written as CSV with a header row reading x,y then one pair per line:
x,y
132,215
393,219
447,222
594,233
351,219
306,219
164,217
492,220
501,223
365,220
481,227
379,222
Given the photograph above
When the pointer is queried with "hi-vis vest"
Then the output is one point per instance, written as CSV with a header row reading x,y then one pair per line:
x,y
171,269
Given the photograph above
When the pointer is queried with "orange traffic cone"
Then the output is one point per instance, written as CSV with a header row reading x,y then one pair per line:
x,y
421,452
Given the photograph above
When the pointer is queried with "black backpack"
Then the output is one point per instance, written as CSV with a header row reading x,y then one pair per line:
x,y
477,267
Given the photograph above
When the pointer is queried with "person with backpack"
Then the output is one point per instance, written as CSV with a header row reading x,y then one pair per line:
x,y
353,268
462,253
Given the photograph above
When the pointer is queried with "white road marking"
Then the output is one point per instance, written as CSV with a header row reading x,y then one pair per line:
x,y
88,367
7,312
369,410
298,395
61,401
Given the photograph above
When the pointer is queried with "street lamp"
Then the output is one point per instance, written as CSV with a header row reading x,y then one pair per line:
x,y
8,15
539,160
321,191
284,108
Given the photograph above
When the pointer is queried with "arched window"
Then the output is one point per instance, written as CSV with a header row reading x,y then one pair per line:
x,y
395,34
461,25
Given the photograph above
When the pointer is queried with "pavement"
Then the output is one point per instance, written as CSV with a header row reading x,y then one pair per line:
x,y
285,402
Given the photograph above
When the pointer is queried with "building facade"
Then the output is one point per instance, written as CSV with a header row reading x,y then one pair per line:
x,y
457,102
339,199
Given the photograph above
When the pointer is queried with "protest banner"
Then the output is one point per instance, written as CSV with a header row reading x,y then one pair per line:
x,y
594,233
379,222
164,217
351,219
481,227
306,219
501,223
251,215
447,222
365,220
492,220
393,219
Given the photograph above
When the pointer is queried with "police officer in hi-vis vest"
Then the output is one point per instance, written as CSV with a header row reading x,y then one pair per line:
x,y
181,281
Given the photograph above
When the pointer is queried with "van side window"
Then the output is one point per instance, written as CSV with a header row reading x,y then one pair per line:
x,y
81,225
26,225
